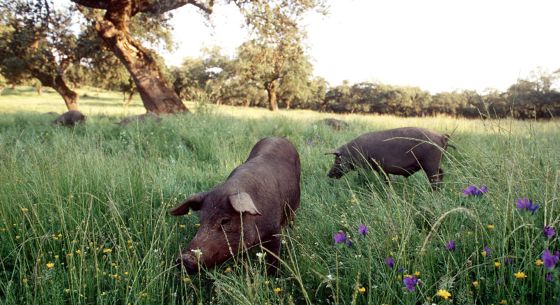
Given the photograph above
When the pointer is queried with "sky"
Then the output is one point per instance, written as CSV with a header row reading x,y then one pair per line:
x,y
437,45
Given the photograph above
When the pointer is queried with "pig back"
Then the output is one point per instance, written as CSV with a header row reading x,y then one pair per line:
x,y
397,150
271,176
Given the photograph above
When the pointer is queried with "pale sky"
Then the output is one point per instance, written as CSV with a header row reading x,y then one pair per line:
x,y
437,45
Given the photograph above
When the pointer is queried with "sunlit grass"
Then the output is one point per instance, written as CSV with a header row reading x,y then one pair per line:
x,y
83,216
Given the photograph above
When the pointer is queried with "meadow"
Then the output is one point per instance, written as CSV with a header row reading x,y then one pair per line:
x,y
83,211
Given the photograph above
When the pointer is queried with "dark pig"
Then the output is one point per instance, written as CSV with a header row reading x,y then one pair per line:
x,y
70,118
250,208
400,151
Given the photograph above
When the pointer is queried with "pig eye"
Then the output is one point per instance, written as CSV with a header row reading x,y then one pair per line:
x,y
224,221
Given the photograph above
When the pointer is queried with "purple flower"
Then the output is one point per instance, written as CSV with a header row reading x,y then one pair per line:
x,y
339,237
473,190
410,282
390,262
450,246
549,231
363,229
533,208
349,243
549,259
522,203
549,277
508,260
488,251
527,204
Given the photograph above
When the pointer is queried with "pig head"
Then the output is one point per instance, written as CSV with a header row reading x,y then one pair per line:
x,y
400,151
250,208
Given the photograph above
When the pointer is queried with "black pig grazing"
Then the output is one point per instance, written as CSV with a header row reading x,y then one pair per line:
x,y
258,198
400,151
70,118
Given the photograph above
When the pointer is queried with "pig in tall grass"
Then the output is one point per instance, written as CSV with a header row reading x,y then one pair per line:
x,y
250,208
70,118
400,151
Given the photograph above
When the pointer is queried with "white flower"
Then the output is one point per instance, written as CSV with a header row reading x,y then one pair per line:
x,y
261,255
197,253
330,277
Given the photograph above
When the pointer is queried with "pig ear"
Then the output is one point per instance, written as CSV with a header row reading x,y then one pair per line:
x,y
334,152
193,202
242,202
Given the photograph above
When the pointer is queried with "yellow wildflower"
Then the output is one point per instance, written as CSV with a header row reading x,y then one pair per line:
x,y
417,273
483,253
24,210
362,290
475,284
186,279
228,270
497,264
444,294
277,290
539,262
50,265
196,225
503,302
107,250
520,275
490,226
181,226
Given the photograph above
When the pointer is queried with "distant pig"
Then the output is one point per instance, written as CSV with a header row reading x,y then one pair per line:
x,y
250,208
70,118
400,151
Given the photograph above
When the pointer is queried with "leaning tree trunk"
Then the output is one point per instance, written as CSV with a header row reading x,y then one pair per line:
x,y
69,96
271,90
156,94
57,82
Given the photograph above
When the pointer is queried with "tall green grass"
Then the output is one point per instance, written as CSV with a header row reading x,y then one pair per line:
x,y
83,214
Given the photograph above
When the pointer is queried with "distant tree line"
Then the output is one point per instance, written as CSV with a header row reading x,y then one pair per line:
x,y
217,79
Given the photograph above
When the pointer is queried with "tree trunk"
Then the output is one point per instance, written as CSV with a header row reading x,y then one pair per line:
x,y
156,94
271,89
289,102
70,97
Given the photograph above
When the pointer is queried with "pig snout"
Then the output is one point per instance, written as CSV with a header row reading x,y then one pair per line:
x,y
188,262
335,172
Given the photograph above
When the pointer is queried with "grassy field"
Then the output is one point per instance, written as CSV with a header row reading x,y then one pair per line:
x,y
83,211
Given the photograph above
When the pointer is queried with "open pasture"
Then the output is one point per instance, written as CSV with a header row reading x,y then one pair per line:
x,y
83,214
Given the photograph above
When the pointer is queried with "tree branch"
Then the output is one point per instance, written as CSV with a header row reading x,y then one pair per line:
x,y
163,6
99,4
